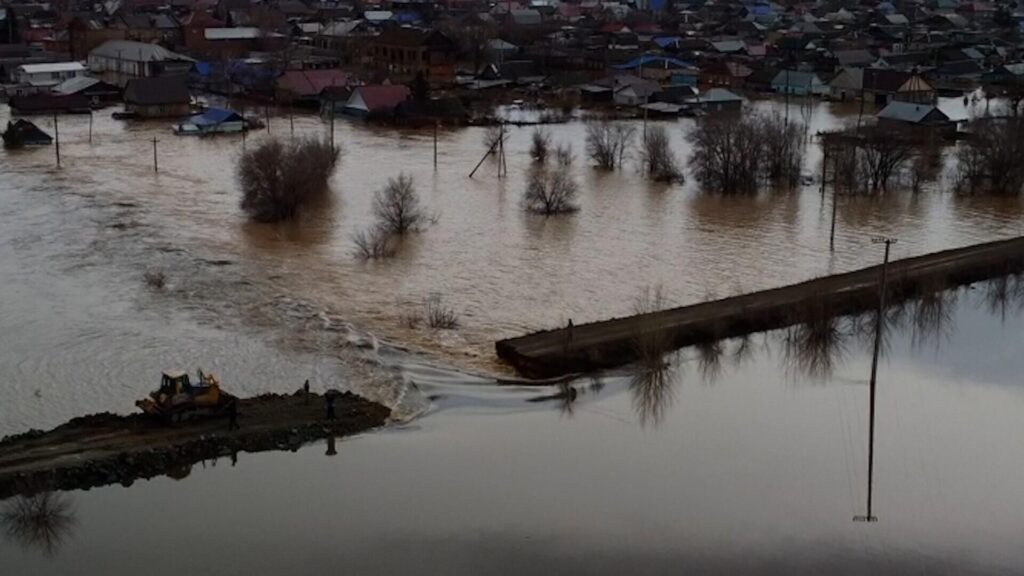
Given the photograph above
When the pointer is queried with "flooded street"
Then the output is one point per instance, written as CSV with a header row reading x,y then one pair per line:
x,y
267,306
731,463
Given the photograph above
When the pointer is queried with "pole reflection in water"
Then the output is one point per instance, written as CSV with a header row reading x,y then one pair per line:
x,y
565,396
44,521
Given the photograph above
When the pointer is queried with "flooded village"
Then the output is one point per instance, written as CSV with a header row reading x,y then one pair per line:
x,y
465,287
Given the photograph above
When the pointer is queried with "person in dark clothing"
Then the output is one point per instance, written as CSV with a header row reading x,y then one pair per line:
x,y
233,416
305,388
330,406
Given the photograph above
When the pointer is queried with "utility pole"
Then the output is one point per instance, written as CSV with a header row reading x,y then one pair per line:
x,y
879,326
266,116
436,122
90,126
56,137
156,168
646,101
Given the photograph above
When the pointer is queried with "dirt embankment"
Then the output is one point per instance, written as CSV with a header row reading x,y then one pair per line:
x,y
104,449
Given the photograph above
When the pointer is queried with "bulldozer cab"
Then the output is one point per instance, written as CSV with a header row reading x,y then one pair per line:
x,y
174,383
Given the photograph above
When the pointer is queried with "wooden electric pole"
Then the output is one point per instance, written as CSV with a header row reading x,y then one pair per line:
x,y
883,289
56,138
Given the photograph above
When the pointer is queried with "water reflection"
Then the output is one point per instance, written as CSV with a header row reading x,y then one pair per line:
x,y
814,349
652,389
565,396
42,521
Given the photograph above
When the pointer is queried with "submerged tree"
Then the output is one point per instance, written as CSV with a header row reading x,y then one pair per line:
x,y
607,143
990,160
277,178
397,206
540,145
551,192
727,154
883,155
658,162
397,211
783,148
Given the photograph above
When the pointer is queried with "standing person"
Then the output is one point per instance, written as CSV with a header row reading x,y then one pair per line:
x,y
305,388
568,343
233,415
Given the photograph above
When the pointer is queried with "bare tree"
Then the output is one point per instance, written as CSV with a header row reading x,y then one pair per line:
x,y
728,154
883,154
397,207
277,178
607,143
434,313
784,148
990,161
550,193
374,244
540,145
657,160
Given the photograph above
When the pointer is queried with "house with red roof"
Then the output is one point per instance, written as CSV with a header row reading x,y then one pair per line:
x,y
377,100
306,86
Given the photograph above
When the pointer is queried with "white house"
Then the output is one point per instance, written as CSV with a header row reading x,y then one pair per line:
x,y
46,75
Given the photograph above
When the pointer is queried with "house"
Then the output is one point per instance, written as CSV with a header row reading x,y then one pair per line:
x,y
24,133
799,83
378,100
43,103
212,121
118,61
94,89
918,117
157,97
47,75
858,58
237,42
880,86
305,86
662,68
633,91
716,100
729,74
408,52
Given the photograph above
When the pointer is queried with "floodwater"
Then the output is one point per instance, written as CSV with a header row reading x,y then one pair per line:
x,y
267,306
729,462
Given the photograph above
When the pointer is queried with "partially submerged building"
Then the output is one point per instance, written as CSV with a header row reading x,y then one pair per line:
x,y
160,97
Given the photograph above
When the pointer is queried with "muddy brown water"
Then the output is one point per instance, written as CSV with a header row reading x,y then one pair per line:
x,y
751,464
267,306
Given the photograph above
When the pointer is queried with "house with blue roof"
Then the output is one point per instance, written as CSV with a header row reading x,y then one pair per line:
x,y
212,121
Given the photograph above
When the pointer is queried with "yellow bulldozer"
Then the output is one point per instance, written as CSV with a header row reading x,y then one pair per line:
x,y
180,399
